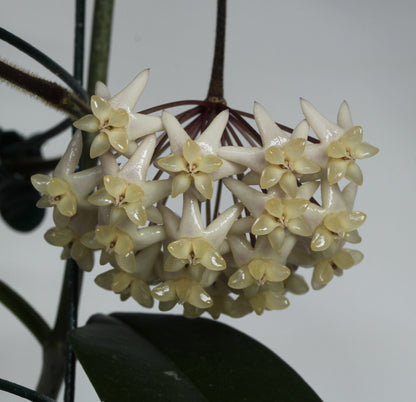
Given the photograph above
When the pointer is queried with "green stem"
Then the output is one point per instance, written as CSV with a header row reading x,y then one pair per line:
x,y
98,64
24,312
53,369
24,392
216,86
100,43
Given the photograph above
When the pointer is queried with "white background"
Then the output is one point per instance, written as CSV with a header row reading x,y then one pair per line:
x,y
352,341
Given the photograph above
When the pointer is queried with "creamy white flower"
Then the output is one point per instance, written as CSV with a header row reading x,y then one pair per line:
x,y
113,120
66,190
196,161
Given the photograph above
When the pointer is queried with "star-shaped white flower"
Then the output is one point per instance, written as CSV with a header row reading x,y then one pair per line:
x,y
113,120
69,237
341,144
258,265
274,215
196,161
136,283
66,190
195,251
120,243
280,158
328,265
127,189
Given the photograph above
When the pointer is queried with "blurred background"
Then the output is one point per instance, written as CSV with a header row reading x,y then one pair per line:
x,y
353,340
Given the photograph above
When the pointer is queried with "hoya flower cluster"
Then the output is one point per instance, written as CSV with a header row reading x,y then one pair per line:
x,y
246,258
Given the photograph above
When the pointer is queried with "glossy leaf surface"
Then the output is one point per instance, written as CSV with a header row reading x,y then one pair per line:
x,y
159,357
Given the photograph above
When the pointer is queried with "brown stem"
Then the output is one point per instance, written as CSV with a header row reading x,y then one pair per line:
x,y
216,86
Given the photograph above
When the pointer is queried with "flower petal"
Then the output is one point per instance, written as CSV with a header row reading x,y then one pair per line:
x,y
180,183
277,237
59,237
119,118
271,175
126,262
336,169
364,150
209,163
274,207
100,108
241,279
288,184
67,206
322,239
299,226
118,139
40,182
305,166
192,152
323,272
100,145
264,224
203,183
124,244
337,150
136,213
274,155
114,185
180,248
352,137
134,193
101,198
294,148
88,123
343,259
173,264
295,207
213,260
173,163
354,173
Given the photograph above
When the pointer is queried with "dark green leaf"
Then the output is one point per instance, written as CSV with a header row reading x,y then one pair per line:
x,y
158,357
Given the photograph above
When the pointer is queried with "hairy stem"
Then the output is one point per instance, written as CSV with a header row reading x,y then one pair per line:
x,y
29,317
49,92
44,60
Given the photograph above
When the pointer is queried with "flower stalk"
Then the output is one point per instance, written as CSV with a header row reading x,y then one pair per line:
x,y
216,85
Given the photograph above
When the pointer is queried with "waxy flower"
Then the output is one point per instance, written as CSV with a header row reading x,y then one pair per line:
x,y
192,251
280,157
271,296
337,226
284,163
182,290
66,189
196,161
340,144
257,266
123,196
73,248
326,267
273,215
343,153
114,121
136,283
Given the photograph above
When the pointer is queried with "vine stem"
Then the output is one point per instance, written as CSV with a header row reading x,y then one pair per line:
x,y
98,62
30,318
46,61
216,86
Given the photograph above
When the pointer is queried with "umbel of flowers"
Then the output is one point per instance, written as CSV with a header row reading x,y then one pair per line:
x,y
246,258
